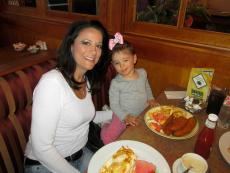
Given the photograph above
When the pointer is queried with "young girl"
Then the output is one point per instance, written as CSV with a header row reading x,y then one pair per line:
x,y
129,92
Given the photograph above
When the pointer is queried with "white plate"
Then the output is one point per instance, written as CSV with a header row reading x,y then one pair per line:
x,y
224,145
143,152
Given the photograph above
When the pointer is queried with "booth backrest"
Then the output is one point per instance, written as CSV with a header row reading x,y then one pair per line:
x,y
101,97
15,113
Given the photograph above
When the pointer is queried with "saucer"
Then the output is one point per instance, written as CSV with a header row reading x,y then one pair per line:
x,y
176,168
175,165
224,145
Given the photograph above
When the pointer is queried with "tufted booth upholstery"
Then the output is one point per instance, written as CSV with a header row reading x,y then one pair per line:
x,y
102,97
15,111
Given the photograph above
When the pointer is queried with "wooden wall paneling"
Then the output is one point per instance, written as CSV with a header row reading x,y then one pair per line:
x,y
29,30
181,15
129,15
49,26
170,63
161,76
41,6
35,24
30,24
103,11
166,52
185,35
115,16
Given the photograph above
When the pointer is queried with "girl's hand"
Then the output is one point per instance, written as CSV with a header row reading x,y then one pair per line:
x,y
153,103
131,120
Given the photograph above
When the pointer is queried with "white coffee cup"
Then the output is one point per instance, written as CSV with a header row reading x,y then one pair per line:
x,y
195,162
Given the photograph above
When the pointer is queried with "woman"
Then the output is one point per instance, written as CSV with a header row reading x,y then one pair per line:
x,y
62,103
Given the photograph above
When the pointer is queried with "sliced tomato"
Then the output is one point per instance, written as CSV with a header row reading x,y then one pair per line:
x,y
159,117
155,126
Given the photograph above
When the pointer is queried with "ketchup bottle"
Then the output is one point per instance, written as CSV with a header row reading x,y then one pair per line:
x,y
206,137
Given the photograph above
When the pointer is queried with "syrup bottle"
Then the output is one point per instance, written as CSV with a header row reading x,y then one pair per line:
x,y
206,137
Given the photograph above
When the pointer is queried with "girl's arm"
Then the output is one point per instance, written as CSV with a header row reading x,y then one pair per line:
x,y
114,101
148,88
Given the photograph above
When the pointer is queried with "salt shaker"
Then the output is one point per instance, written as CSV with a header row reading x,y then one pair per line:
x,y
224,115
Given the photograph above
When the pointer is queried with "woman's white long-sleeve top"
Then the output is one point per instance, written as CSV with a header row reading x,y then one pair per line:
x,y
60,123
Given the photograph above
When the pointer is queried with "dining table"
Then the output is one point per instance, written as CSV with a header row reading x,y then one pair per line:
x,y
172,149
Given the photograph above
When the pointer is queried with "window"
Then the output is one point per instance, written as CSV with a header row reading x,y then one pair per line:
x,y
61,5
26,3
158,11
212,15
76,6
186,21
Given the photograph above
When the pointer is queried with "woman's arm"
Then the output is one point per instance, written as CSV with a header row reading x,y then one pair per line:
x,y
103,116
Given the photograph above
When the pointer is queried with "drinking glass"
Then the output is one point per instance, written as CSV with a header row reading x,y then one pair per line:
x,y
224,115
215,101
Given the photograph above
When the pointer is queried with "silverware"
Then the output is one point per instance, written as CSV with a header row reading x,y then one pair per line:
x,y
186,171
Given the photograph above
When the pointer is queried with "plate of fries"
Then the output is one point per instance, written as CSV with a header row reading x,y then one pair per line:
x,y
171,122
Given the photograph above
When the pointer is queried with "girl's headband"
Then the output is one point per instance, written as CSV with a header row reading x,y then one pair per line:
x,y
118,38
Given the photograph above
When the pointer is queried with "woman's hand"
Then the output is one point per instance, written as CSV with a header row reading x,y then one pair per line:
x,y
153,103
131,120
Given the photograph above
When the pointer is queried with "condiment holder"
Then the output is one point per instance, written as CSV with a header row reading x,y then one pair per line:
x,y
33,49
193,105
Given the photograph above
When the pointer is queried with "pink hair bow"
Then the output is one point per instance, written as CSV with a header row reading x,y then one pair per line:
x,y
118,38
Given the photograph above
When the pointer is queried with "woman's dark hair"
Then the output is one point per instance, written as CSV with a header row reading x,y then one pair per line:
x,y
120,47
66,63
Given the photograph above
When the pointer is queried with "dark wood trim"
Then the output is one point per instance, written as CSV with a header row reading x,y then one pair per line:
x,y
115,17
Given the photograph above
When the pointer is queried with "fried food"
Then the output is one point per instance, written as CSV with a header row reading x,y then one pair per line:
x,y
177,112
187,128
166,127
178,123
123,161
166,110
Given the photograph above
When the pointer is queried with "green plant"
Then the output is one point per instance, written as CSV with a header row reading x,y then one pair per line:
x,y
160,11
198,11
166,12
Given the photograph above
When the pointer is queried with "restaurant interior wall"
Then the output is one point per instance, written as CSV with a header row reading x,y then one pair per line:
x,y
167,59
